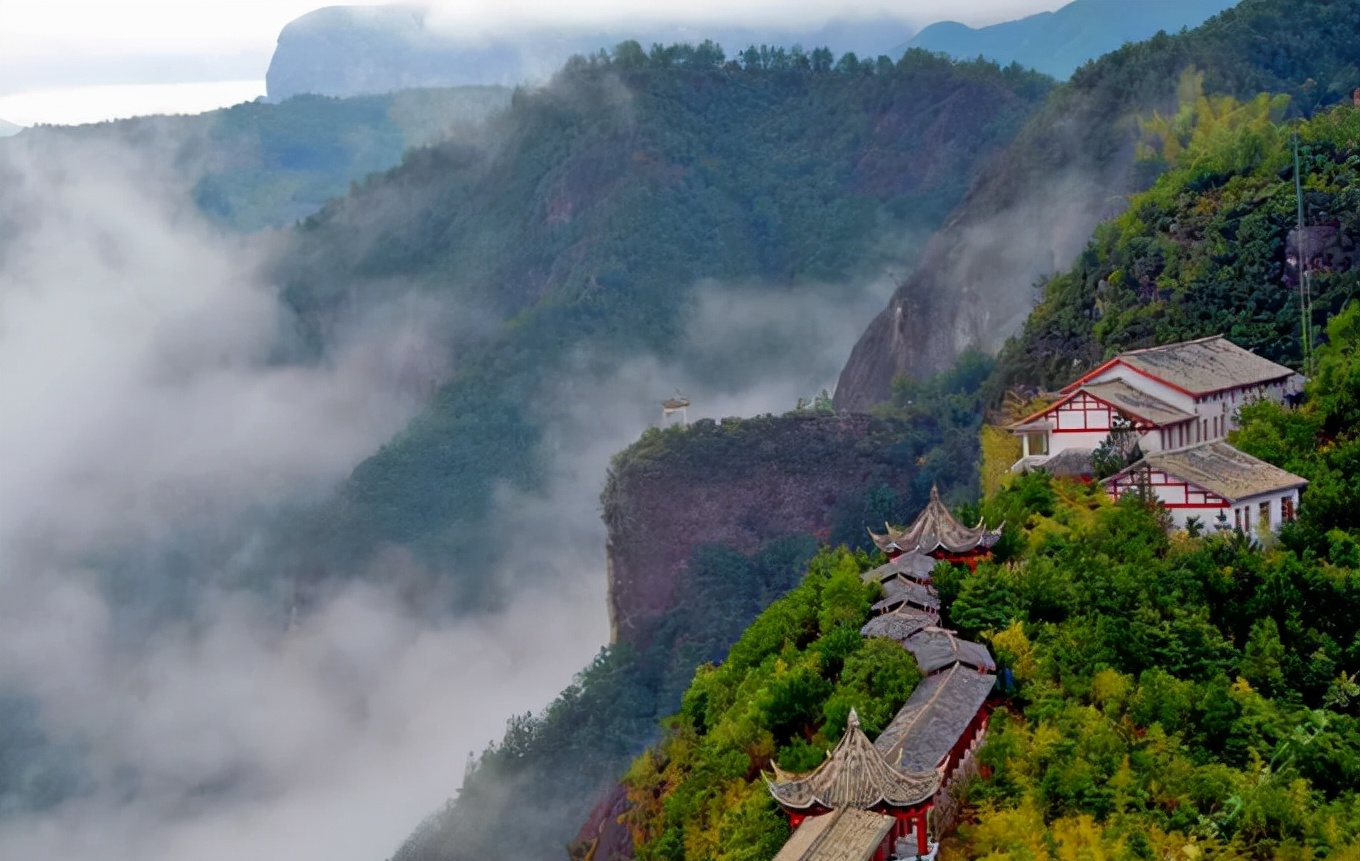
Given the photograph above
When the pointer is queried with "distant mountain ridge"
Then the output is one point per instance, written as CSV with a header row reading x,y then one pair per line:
x,y
1057,43
258,165
8,128
356,50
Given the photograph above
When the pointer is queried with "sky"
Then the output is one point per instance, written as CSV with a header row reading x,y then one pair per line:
x,y
168,48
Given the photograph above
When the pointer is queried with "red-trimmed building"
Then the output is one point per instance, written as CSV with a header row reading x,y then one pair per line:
x,y
1210,479
1172,397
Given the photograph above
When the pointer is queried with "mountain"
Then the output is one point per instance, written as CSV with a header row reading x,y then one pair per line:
x,y
8,128
354,50
1144,650
1031,209
669,210
259,165
1057,43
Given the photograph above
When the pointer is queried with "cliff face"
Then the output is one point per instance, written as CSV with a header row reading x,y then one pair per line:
x,y
741,484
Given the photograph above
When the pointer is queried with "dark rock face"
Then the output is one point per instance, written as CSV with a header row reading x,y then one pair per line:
x,y
740,484
975,283
604,837
355,50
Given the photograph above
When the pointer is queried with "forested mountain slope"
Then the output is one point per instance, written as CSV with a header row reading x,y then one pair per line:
x,y
1033,207
595,223
1191,693
259,165
1211,248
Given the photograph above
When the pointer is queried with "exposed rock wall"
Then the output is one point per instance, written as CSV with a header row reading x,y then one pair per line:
x,y
742,484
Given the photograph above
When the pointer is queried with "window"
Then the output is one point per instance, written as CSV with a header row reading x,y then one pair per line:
x,y
1265,516
1038,444
1286,509
1237,517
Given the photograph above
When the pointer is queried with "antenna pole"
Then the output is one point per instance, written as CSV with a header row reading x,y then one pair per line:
x,y
1305,289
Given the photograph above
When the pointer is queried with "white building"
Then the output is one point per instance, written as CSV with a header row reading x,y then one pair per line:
x,y
1174,396
1206,479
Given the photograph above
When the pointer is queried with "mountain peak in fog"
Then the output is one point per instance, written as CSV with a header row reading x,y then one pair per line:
x,y
1057,43
357,50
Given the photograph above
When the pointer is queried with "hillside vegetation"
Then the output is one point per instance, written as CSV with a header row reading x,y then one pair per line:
x,y
258,165
1174,694
580,234
1033,209
1208,248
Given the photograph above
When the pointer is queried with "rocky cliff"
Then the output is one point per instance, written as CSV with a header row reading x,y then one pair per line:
x,y
742,484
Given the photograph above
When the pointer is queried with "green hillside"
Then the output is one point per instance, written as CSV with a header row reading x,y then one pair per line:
x,y
260,165
1175,695
1030,212
581,234
1207,249
1172,692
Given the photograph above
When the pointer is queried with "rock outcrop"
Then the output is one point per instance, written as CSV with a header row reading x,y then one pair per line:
x,y
740,483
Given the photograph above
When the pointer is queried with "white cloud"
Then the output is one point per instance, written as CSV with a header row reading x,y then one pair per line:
x,y
37,29
141,404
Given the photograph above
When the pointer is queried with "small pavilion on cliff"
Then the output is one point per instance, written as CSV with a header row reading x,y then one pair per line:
x,y
855,777
938,534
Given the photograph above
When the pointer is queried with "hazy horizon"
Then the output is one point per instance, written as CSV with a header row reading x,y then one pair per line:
x,y
64,65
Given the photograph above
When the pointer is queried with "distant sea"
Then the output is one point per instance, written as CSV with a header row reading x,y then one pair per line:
x,y
78,105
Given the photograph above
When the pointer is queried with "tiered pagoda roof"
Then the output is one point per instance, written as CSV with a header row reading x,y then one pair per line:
x,y
936,648
854,775
897,593
909,566
936,530
900,624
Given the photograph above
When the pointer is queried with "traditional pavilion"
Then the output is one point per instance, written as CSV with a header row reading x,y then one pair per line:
x,y
855,776
937,534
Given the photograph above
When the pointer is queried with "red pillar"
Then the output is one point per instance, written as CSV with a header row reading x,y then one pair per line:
x,y
921,846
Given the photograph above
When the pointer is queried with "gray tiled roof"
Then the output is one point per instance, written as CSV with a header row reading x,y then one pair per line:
x,y
1205,365
1137,405
913,566
842,835
934,718
899,624
936,648
898,591
1221,469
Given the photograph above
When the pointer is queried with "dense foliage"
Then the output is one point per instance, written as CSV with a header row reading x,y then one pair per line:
x,y
589,221
1171,693
782,695
1209,248
1074,164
